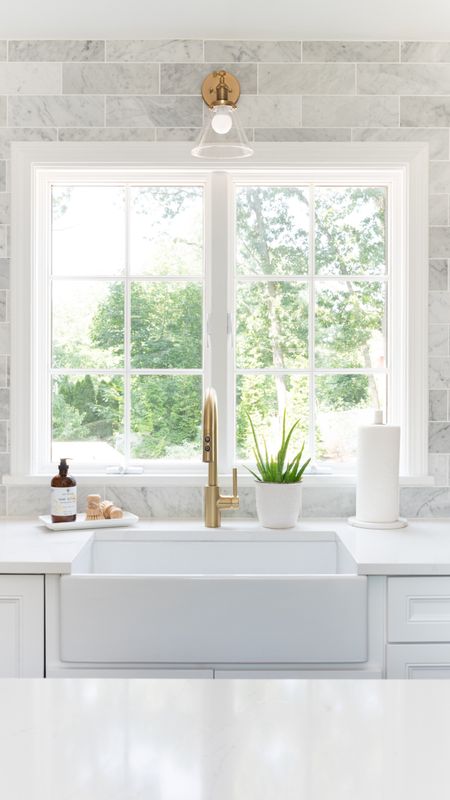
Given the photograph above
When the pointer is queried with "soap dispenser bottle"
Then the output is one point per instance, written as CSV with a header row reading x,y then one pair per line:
x,y
63,495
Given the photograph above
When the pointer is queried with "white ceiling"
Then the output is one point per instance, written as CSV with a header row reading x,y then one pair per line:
x,y
234,19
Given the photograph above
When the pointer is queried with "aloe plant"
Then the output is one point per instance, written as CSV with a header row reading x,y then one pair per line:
x,y
274,469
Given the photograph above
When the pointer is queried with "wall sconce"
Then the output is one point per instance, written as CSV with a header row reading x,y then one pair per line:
x,y
222,135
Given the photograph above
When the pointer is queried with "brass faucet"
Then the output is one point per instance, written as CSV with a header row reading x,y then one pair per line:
x,y
215,502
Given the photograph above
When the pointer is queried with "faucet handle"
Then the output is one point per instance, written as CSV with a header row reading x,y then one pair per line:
x,y
235,483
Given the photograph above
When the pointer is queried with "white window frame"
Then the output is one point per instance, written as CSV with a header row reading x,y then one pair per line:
x,y
403,167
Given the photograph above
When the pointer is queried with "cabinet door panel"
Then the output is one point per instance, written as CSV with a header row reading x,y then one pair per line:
x,y
419,609
418,661
21,626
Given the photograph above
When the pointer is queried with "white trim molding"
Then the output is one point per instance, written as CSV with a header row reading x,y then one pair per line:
x,y
403,166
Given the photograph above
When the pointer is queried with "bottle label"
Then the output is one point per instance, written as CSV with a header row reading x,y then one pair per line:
x,y
64,501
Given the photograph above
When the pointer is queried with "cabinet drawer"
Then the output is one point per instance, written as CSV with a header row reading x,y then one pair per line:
x,y
419,609
418,661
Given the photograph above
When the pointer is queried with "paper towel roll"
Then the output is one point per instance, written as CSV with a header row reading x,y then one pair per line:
x,y
377,483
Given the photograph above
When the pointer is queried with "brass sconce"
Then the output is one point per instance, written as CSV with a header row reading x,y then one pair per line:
x,y
222,135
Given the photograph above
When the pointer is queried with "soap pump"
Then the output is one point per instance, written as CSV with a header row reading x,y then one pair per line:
x,y
63,495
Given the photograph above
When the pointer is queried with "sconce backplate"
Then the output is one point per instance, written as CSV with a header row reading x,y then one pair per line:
x,y
209,86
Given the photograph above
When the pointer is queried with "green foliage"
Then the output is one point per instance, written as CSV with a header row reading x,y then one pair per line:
x,y
277,469
271,323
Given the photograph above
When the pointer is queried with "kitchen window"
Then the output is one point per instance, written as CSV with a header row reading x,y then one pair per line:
x,y
284,287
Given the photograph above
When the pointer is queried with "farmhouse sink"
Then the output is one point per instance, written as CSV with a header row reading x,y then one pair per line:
x,y
288,597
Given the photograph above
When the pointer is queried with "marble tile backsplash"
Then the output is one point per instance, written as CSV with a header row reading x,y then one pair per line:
x,y
147,90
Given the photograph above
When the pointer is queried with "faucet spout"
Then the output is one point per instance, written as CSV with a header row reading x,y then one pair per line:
x,y
214,502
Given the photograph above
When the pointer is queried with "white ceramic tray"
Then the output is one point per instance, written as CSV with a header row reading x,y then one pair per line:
x,y
83,524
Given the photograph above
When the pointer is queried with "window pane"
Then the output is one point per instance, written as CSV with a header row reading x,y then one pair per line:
x,y
88,324
350,324
166,230
343,403
264,398
350,230
87,418
166,325
272,325
88,230
166,415
272,227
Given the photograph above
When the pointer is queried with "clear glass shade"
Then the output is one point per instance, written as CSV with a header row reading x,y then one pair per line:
x,y
222,135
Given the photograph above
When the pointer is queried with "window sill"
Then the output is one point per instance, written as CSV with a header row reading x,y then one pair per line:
x,y
196,480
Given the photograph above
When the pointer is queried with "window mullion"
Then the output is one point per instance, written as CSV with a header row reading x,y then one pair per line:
x,y
219,351
311,328
127,336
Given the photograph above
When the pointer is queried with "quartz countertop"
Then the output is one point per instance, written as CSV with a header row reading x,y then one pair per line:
x,y
224,740
423,548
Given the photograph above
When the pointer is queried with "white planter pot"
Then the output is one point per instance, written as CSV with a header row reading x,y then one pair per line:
x,y
278,505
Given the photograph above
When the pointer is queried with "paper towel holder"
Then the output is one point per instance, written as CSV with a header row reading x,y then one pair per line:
x,y
399,522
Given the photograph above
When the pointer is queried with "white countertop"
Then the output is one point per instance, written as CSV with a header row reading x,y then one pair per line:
x,y
224,740
423,548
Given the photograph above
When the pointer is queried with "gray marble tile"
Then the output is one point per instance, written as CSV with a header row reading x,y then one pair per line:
x,y
2,111
440,242
75,111
425,112
160,503
56,50
188,78
438,209
439,437
438,468
403,79
440,177
302,134
3,306
106,135
4,403
159,50
3,436
353,112
4,241
437,139
111,78
328,501
438,340
429,502
240,50
153,111
438,275
8,135
437,405
5,468
351,51
28,500
32,78
421,52
3,500
3,50
268,111
306,79
439,373
4,273
5,346
4,370
2,176
439,307
177,134
5,209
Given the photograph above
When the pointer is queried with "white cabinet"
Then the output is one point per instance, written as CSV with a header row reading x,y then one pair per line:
x,y
418,627
418,661
21,626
